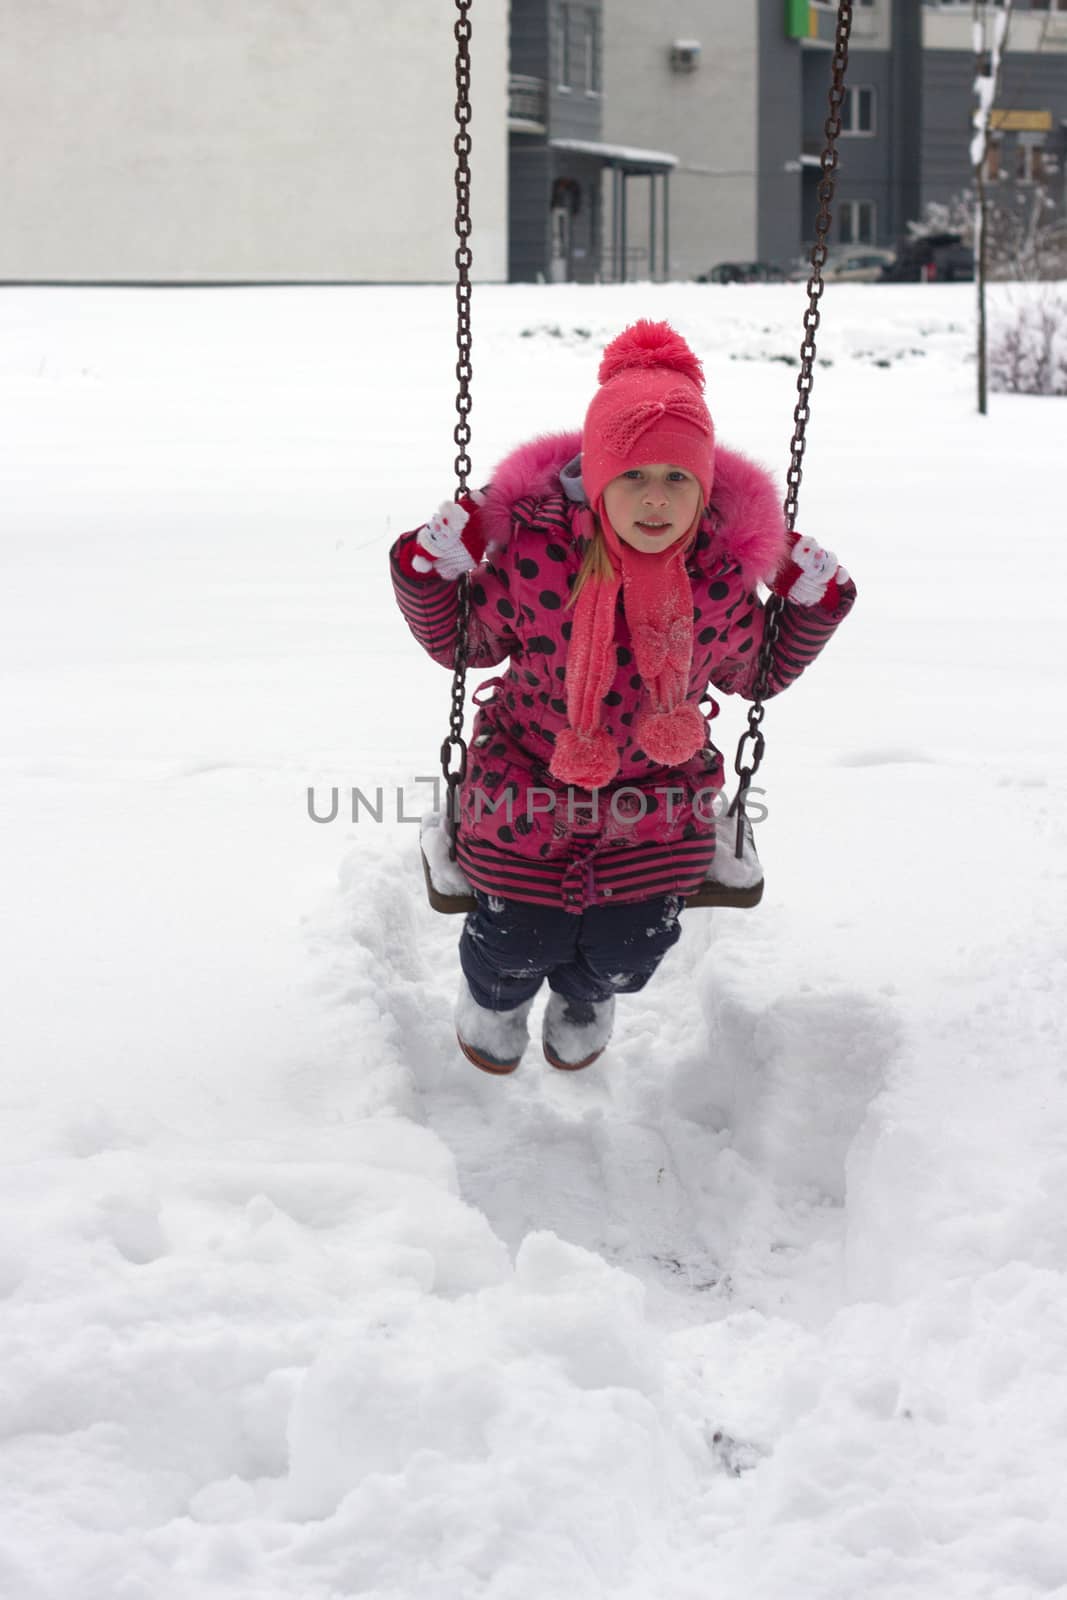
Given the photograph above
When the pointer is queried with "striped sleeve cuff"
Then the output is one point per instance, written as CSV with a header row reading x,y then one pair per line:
x,y
803,632
428,604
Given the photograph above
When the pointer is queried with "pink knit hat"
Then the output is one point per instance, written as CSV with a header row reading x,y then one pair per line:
x,y
649,408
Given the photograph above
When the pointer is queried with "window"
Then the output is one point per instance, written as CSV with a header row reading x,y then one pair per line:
x,y
565,52
1048,5
1029,161
856,224
591,43
579,47
857,111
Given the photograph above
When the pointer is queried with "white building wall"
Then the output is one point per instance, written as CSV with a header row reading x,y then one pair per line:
x,y
708,118
948,27
229,140
872,25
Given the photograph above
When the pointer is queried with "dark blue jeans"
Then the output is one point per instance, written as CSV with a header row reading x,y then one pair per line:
x,y
508,948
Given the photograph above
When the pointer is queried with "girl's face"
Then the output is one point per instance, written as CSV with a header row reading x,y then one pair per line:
x,y
652,507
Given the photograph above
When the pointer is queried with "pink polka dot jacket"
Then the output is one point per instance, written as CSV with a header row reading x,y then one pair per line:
x,y
523,835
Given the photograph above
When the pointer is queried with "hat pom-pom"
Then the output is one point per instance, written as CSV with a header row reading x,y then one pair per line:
x,y
671,737
650,344
586,760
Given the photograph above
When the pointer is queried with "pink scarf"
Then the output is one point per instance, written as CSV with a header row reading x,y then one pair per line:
x,y
658,602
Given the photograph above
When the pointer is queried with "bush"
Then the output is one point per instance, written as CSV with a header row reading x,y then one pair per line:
x,y
1026,232
1028,345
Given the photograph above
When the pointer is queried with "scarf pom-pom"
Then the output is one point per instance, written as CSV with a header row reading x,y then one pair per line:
x,y
586,760
671,737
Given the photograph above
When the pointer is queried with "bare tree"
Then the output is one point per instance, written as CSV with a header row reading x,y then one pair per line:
x,y
1025,241
987,65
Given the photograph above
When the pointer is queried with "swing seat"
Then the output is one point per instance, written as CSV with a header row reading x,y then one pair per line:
x,y
446,882
736,882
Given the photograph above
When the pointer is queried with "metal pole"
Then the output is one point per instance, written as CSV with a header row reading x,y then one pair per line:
x,y
666,227
622,219
652,227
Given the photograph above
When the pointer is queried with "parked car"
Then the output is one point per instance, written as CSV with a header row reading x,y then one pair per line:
x,y
936,258
863,265
743,272
866,266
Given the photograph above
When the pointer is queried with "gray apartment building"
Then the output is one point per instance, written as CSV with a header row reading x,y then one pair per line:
x,y
187,141
651,141
1029,141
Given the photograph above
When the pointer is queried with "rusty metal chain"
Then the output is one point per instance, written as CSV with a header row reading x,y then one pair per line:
x,y
823,218
464,258
746,770
462,435
455,740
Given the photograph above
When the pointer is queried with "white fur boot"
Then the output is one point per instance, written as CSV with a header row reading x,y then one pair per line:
x,y
491,1040
576,1031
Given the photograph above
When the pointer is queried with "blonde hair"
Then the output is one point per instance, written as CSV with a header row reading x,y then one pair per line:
x,y
596,563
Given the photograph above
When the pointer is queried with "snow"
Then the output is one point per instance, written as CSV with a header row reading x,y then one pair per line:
x,y
295,1303
986,83
627,155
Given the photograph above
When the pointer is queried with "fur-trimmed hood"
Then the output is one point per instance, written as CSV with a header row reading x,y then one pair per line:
x,y
746,507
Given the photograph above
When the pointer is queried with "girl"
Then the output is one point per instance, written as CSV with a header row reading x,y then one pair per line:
x,y
615,572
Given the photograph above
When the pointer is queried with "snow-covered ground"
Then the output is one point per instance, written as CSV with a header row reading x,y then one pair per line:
x,y
293,1303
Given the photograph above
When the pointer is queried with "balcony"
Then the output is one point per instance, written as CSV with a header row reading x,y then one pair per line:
x,y
811,22
527,102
